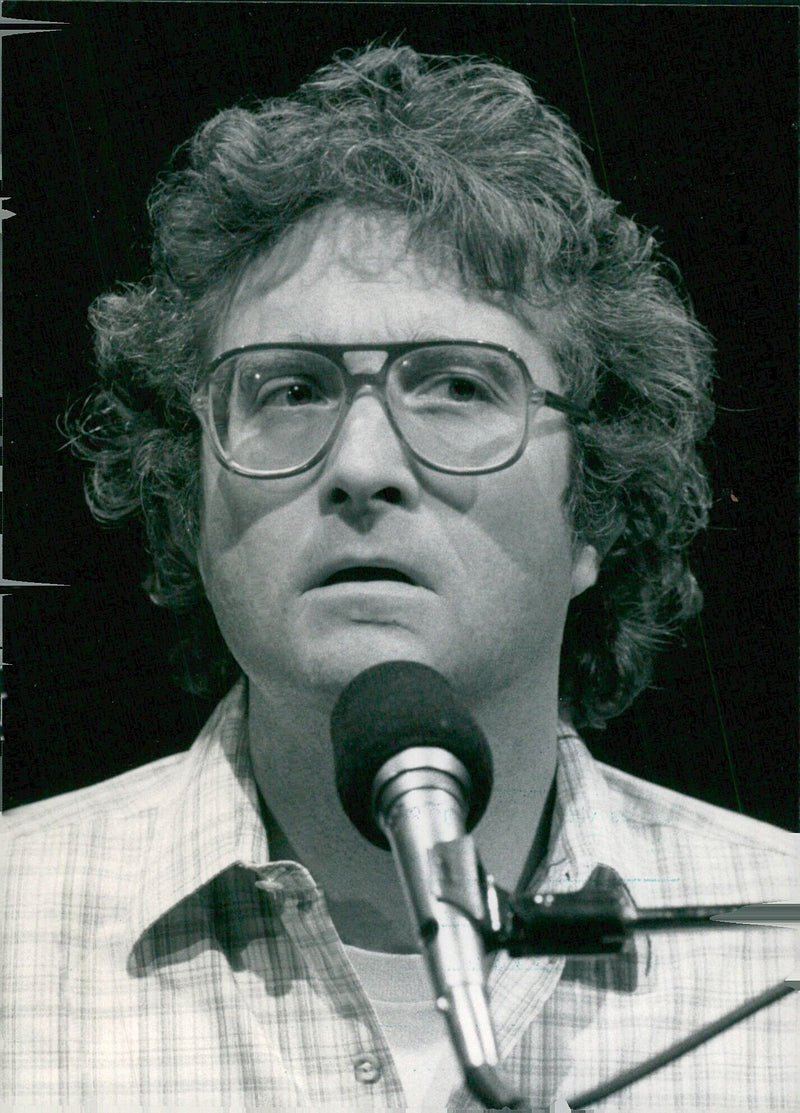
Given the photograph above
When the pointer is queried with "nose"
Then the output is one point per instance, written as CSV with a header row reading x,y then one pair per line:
x,y
367,467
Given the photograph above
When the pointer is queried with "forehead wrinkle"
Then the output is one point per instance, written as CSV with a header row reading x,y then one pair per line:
x,y
391,332
372,247
368,245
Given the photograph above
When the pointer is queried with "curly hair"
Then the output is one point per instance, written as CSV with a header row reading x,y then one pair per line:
x,y
471,159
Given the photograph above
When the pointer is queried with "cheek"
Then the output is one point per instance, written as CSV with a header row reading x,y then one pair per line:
x,y
246,564
234,507
248,528
522,515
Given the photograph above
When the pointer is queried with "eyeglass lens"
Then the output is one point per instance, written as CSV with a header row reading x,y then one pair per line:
x,y
458,406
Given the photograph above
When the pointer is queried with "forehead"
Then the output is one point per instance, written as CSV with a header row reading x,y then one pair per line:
x,y
348,278
329,243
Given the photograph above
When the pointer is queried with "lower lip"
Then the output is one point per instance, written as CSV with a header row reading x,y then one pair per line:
x,y
367,587
368,600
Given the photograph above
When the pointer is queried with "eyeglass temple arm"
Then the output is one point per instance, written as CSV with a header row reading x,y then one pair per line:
x,y
558,402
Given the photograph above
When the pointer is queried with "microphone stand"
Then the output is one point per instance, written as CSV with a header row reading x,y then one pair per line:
x,y
599,919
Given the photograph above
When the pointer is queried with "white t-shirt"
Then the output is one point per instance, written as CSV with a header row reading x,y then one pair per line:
x,y
400,992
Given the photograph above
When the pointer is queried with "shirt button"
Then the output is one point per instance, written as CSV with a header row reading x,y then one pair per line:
x,y
367,1068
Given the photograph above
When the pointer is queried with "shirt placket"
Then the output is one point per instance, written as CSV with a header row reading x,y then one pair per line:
x,y
518,992
351,1065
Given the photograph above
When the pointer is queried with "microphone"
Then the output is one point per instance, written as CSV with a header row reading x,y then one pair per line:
x,y
413,769
413,772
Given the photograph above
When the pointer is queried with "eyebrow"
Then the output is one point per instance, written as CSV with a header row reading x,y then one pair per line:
x,y
417,335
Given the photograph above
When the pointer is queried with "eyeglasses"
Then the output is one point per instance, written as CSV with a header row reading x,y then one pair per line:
x,y
462,407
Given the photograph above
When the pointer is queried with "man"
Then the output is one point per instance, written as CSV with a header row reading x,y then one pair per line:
x,y
404,385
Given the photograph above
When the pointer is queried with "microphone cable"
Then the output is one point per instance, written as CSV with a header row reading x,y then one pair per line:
x,y
682,1047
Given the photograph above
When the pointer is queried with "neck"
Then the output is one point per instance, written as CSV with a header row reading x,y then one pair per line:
x,y
293,763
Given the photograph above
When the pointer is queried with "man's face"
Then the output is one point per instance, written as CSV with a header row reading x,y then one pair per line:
x,y
491,559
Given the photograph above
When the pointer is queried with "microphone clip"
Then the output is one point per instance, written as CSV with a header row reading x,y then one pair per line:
x,y
599,919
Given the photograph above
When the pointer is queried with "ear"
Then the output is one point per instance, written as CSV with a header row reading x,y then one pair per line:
x,y
585,569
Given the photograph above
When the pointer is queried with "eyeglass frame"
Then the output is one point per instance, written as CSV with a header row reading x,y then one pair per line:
x,y
353,383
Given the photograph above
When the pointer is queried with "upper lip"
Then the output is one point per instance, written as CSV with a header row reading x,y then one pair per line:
x,y
362,565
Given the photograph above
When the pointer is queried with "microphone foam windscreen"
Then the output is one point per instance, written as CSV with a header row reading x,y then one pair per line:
x,y
389,708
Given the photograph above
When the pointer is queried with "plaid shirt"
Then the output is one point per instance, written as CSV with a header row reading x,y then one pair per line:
x,y
152,954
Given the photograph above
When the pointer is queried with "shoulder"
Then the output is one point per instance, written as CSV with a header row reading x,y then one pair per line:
x,y
124,795
73,816
711,854
651,804
70,867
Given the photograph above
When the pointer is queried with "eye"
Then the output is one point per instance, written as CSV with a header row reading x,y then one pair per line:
x,y
456,379
450,387
288,392
280,379
460,388
282,385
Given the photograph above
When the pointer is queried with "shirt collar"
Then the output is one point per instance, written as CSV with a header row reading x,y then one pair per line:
x,y
207,819
588,831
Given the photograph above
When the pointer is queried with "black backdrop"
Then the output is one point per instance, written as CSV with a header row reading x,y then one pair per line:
x,y
689,117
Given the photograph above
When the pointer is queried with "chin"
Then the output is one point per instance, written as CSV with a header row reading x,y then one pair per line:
x,y
331,668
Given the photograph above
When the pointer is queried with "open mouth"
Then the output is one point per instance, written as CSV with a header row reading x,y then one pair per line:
x,y
364,573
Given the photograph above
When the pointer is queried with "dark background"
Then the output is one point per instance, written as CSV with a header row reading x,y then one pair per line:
x,y
689,118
